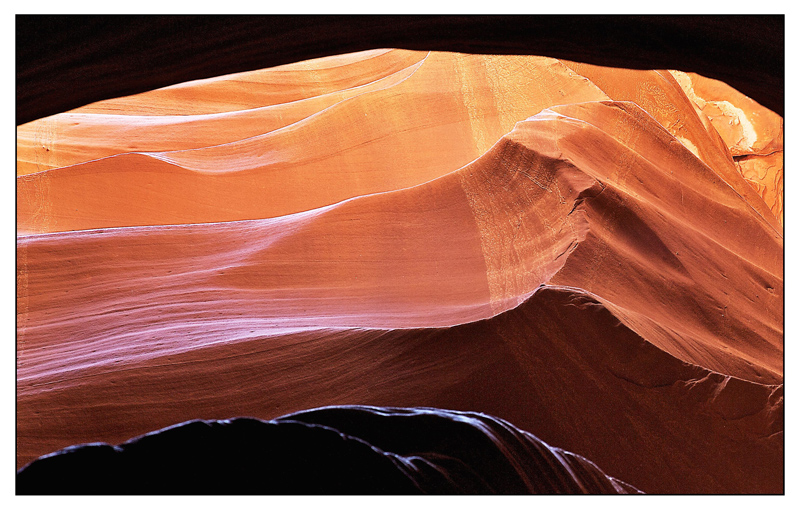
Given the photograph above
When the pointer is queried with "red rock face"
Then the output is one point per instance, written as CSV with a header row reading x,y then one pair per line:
x,y
593,254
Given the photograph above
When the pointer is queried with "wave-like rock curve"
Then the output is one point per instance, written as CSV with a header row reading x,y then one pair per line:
x,y
560,366
570,248
333,450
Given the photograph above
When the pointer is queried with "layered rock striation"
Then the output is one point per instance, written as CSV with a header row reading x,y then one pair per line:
x,y
580,251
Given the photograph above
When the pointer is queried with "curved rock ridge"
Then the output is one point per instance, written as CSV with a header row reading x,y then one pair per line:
x,y
560,366
666,96
457,249
592,254
278,85
332,450
371,142
214,112
672,261
753,134
280,149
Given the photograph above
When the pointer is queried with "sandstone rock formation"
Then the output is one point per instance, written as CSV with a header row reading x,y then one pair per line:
x,y
592,254
753,134
333,450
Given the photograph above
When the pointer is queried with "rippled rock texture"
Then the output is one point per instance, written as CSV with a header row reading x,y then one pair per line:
x,y
592,254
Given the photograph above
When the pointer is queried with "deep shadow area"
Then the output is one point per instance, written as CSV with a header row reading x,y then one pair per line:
x,y
64,62
333,450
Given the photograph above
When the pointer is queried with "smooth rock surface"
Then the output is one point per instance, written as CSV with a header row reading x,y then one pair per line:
x,y
587,253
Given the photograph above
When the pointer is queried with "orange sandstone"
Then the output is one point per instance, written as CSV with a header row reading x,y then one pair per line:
x,y
581,251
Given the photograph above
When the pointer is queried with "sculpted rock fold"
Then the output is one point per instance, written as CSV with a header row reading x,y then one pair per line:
x,y
587,253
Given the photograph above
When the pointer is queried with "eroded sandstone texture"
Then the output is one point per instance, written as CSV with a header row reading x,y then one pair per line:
x,y
592,254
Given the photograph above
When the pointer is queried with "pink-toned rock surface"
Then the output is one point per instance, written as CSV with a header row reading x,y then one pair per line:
x,y
568,247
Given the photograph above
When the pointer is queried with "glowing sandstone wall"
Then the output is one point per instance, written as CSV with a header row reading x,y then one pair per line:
x,y
753,134
589,253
